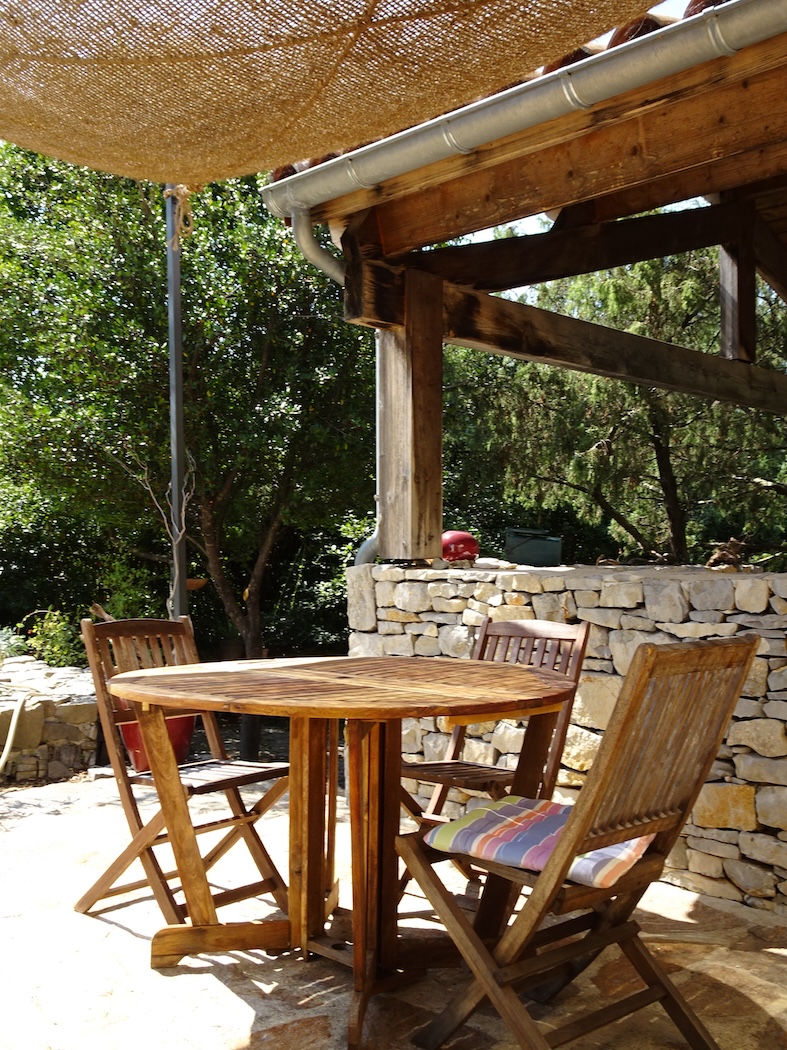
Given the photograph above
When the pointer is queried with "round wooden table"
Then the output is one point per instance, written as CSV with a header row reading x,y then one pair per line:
x,y
372,695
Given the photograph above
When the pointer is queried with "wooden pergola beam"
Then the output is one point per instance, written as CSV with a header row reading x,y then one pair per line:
x,y
514,262
375,296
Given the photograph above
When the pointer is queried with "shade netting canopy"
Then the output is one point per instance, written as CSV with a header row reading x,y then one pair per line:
x,y
190,91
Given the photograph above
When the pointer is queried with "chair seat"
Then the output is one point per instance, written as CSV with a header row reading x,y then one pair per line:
x,y
214,774
472,776
523,832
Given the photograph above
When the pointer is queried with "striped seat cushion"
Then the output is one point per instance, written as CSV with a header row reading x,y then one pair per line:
x,y
522,832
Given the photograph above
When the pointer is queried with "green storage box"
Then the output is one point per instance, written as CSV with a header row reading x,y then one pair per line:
x,y
533,547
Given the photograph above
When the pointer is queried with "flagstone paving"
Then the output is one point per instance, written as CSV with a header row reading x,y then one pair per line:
x,y
76,982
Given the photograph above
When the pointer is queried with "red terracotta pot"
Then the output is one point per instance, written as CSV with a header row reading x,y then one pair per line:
x,y
181,730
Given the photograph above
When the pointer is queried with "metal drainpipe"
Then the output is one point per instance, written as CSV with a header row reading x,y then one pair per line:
x,y
313,252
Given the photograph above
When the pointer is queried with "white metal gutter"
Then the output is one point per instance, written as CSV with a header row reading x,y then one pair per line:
x,y
717,31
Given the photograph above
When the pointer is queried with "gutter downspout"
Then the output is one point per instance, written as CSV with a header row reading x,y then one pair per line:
x,y
313,252
717,31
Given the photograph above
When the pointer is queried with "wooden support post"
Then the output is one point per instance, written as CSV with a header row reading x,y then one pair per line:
x,y
410,425
738,290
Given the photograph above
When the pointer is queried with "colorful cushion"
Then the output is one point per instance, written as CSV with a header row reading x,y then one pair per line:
x,y
522,832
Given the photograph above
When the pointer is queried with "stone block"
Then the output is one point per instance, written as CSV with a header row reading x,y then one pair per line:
x,y
598,642
665,600
455,640
508,737
704,864
29,726
751,593
77,712
764,848
589,599
697,629
365,644
756,683
411,737
515,598
426,645
385,572
620,595
510,612
753,879
716,847
629,622
423,627
725,806
389,627
384,593
777,680
361,601
759,770
399,645
412,597
581,747
778,582
595,699
712,592
479,751
488,592
771,804
766,736
775,709
558,606
529,582
449,605
392,615
696,883
623,645
601,617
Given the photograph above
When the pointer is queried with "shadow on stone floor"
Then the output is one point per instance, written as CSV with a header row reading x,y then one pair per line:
x,y
75,982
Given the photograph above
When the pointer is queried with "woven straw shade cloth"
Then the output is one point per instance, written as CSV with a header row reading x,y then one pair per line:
x,y
190,91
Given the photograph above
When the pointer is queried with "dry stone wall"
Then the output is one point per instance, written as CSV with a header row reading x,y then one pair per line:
x,y
56,733
735,845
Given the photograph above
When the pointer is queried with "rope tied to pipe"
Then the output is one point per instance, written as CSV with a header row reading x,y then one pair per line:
x,y
183,217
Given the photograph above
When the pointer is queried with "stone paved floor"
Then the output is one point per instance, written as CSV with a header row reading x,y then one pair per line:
x,y
72,982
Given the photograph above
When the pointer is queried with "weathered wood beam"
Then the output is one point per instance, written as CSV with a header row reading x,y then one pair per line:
x,y
771,257
733,108
738,289
513,262
491,323
410,377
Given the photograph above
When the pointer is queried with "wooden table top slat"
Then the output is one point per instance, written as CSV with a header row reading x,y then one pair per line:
x,y
348,687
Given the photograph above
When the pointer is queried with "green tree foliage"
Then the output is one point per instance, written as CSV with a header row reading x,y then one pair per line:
x,y
663,475
278,393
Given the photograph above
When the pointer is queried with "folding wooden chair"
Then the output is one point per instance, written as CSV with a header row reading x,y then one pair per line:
x,y
127,645
532,643
664,734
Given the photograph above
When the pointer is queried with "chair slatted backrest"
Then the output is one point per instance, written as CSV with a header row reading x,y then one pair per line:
x,y
537,643
132,645
657,750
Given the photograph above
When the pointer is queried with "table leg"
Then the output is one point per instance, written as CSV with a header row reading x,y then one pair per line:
x,y
204,933
312,832
373,776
